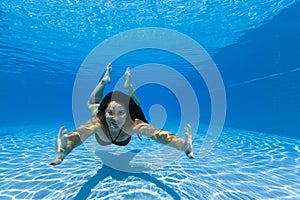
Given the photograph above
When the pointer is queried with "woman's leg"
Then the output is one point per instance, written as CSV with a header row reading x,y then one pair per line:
x,y
97,94
129,87
131,91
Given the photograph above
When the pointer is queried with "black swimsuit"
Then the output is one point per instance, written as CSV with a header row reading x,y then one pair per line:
x,y
122,143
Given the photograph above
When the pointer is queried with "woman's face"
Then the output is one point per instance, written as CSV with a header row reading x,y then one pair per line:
x,y
115,116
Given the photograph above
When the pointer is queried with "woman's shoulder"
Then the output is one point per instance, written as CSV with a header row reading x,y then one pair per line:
x,y
94,122
138,124
138,121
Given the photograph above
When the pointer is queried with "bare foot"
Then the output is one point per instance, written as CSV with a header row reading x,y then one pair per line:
x,y
128,83
106,77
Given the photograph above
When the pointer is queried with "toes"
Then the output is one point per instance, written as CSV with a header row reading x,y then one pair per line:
x,y
127,72
109,67
108,70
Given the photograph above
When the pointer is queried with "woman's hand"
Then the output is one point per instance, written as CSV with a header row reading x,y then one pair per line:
x,y
60,146
188,141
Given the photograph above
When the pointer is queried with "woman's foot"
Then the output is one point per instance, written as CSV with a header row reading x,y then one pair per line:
x,y
106,77
128,83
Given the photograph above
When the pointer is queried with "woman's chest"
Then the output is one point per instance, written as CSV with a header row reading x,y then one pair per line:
x,y
108,136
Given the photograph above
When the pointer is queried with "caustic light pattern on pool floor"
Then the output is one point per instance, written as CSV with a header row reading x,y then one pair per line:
x,y
243,165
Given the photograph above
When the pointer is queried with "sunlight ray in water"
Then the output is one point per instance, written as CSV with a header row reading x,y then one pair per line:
x,y
263,78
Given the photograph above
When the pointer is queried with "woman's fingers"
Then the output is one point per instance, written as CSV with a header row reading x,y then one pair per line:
x,y
61,142
62,132
188,141
188,133
60,146
57,161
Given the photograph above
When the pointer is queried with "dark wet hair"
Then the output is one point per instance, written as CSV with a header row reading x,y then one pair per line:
x,y
133,110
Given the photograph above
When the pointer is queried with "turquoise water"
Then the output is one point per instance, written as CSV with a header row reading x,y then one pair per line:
x,y
245,73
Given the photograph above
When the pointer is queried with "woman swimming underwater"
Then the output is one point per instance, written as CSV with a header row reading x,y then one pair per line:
x,y
115,120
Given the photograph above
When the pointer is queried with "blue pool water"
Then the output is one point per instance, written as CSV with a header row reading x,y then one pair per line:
x,y
240,80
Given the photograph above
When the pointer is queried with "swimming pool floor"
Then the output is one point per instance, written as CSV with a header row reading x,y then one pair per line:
x,y
243,165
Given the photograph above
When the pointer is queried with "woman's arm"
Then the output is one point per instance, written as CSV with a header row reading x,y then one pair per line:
x,y
66,143
165,137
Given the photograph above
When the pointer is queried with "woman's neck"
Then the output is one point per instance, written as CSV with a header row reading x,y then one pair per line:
x,y
114,131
